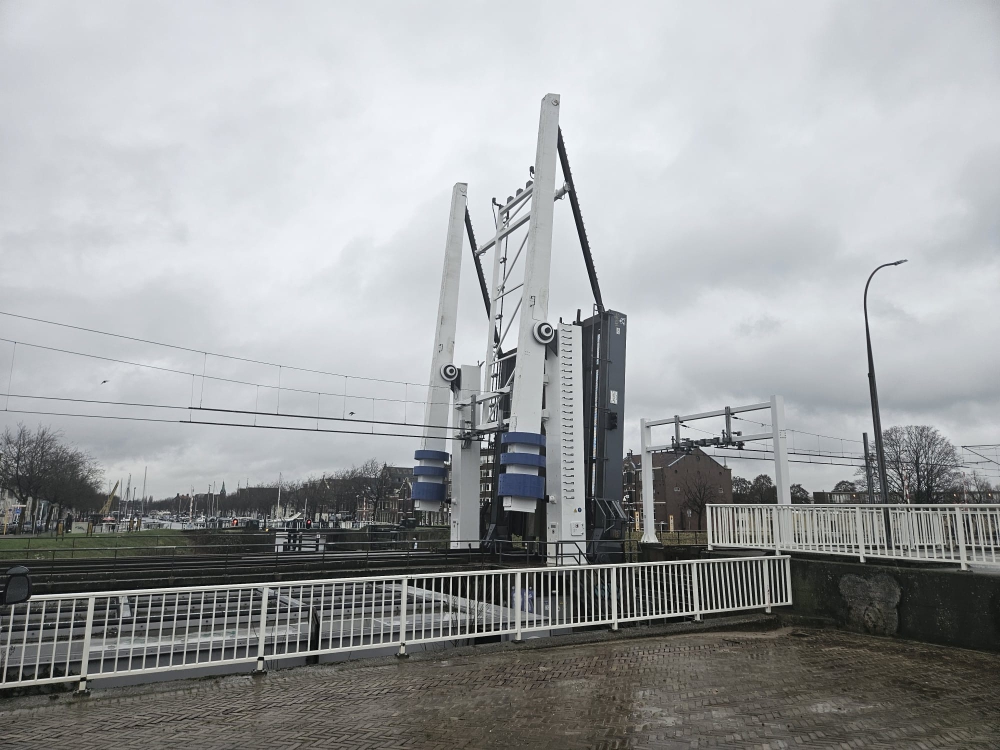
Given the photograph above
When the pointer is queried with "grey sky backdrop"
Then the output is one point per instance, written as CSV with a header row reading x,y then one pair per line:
x,y
271,180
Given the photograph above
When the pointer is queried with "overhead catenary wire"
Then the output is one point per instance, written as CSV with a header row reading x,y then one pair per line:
x,y
207,353
208,409
217,378
827,437
987,458
222,424
860,459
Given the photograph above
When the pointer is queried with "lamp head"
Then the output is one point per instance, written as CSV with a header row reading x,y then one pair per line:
x,y
899,262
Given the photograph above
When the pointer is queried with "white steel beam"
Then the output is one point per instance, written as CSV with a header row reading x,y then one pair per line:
x,y
781,475
430,472
525,436
708,414
465,473
565,462
648,521
517,223
755,436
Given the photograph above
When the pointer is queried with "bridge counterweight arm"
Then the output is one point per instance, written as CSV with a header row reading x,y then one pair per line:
x,y
428,489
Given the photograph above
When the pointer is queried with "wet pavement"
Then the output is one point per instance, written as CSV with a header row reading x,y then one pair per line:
x,y
778,689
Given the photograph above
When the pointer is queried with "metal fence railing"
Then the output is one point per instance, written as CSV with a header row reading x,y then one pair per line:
x,y
962,534
79,638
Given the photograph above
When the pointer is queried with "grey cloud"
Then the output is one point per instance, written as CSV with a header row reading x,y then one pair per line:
x,y
762,325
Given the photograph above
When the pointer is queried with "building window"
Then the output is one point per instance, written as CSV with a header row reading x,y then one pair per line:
x,y
677,489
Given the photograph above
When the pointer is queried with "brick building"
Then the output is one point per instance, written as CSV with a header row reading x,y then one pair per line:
x,y
683,483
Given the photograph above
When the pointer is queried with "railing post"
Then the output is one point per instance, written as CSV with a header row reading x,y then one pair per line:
x,y
614,597
708,523
517,607
85,656
960,531
696,589
766,562
261,629
859,532
776,528
403,603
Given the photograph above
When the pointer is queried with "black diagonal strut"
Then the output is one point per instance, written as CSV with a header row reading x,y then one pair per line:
x,y
475,257
479,272
580,229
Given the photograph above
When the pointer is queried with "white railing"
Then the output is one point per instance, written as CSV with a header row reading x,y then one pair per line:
x,y
78,638
963,534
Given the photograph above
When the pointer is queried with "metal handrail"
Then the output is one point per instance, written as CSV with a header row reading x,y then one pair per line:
x,y
133,632
952,533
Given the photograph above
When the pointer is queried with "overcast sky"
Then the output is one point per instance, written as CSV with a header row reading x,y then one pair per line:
x,y
272,180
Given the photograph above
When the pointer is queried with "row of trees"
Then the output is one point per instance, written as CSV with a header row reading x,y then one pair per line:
x,y
369,485
922,467
762,490
38,466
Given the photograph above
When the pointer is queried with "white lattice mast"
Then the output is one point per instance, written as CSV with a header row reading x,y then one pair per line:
x,y
430,473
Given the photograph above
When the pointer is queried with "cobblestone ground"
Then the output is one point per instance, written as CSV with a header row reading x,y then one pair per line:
x,y
782,689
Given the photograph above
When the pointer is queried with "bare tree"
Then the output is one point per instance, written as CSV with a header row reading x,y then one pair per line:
x,y
983,490
73,480
375,486
36,466
698,490
921,465
25,459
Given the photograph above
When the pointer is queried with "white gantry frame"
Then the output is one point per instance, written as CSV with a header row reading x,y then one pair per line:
x,y
777,434
522,486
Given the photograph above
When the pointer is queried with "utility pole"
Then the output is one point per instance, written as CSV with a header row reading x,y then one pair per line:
x,y
873,392
868,469
142,509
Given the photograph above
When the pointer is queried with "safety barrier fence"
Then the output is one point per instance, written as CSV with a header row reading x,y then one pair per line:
x,y
78,638
962,534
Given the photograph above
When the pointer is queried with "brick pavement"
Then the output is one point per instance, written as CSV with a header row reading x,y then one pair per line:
x,y
780,689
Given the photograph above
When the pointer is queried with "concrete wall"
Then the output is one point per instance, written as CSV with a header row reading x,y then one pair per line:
x,y
932,604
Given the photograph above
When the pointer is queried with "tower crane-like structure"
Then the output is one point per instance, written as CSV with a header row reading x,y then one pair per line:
x,y
536,438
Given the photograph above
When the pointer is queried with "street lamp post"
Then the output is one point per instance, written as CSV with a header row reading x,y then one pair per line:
x,y
876,419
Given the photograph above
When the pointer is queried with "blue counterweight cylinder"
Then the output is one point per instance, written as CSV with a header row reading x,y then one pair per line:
x,y
429,475
521,485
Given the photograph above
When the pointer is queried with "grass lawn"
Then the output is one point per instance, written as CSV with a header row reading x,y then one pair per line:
x,y
44,546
